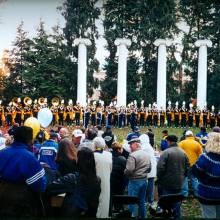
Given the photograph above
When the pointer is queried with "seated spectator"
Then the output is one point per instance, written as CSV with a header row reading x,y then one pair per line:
x,y
207,171
103,161
90,134
118,180
48,151
82,188
202,136
21,176
66,157
108,136
76,137
172,169
164,143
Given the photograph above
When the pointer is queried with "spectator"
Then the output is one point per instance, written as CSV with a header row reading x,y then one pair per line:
x,y
82,188
193,150
184,135
108,136
151,136
48,151
64,133
202,136
216,129
145,146
103,161
18,164
118,180
90,134
164,143
76,137
66,157
135,131
206,169
172,169
2,141
11,130
100,131
137,166
40,138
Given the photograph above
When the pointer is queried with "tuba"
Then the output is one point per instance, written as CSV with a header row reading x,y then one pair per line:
x,y
27,101
55,101
41,101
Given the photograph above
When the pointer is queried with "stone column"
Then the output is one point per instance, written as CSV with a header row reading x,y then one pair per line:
x,y
202,72
82,70
161,72
122,70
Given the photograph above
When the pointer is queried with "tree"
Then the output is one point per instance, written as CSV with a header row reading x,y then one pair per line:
x,y
80,18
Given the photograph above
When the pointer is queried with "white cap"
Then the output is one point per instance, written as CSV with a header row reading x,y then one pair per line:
x,y
99,142
77,133
189,133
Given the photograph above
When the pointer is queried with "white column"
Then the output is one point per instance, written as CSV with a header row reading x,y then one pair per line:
x,y
82,70
202,72
122,70
161,72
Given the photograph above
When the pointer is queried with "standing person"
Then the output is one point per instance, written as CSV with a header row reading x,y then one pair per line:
x,y
137,167
193,150
48,151
77,137
151,136
103,161
66,157
108,136
202,136
145,146
64,133
164,143
172,169
206,170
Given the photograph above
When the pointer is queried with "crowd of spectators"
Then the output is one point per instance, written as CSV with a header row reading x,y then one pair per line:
x,y
90,167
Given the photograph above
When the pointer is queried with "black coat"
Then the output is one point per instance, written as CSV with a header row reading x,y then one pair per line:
x,y
118,180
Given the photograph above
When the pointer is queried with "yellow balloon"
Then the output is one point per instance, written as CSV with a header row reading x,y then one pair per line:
x,y
34,124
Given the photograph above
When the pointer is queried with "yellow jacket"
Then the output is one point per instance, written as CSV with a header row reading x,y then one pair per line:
x,y
191,148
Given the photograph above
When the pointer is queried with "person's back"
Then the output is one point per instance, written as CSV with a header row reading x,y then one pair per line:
x,y
191,147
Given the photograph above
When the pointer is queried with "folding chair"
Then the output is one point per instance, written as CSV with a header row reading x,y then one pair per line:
x,y
165,205
118,203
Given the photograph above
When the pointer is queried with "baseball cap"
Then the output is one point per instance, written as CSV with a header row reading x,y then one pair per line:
x,y
77,133
189,133
136,129
133,138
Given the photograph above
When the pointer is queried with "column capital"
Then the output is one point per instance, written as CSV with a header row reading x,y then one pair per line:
x,y
126,42
200,43
165,42
85,41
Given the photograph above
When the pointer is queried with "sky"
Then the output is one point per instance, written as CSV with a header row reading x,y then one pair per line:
x,y
12,12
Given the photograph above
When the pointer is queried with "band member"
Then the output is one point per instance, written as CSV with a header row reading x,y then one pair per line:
x,y
93,114
69,112
2,114
133,118
162,115
176,115
121,118
35,108
213,117
128,114
184,115
19,114
61,113
115,116
86,117
27,108
149,116
109,117
142,113
198,117
205,116
77,110
169,115
190,115
9,113
99,115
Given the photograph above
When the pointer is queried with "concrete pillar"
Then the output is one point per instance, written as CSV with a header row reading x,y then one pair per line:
x,y
202,72
82,70
161,72
122,70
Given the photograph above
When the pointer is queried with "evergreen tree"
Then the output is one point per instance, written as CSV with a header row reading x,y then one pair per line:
x,y
80,18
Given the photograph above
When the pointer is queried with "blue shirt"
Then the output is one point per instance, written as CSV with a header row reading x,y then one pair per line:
x,y
19,165
48,152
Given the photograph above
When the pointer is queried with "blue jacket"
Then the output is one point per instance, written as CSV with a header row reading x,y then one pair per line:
x,y
48,152
19,165
164,144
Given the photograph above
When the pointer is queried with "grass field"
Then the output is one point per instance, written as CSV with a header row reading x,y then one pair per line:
x,y
190,207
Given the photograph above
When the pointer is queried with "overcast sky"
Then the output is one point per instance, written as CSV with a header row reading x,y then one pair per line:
x,y
12,12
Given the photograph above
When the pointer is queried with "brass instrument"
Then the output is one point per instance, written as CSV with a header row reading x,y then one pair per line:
x,y
15,101
55,101
41,101
27,101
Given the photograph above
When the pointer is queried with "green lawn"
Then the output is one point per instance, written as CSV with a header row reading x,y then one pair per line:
x,y
190,207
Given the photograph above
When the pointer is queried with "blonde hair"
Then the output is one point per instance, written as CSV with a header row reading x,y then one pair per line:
x,y
213,143
116,145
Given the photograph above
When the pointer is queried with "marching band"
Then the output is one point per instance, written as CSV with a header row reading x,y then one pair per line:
x,y
96,113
